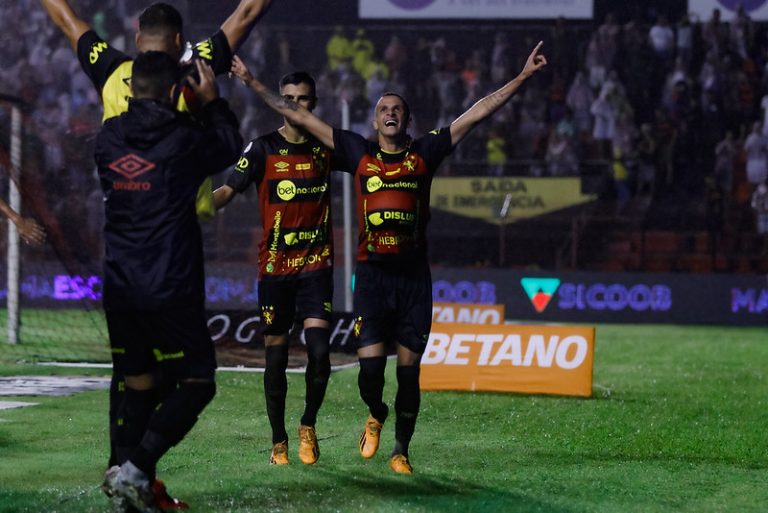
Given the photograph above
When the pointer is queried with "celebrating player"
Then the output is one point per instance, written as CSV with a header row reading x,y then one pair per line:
x,y
291,170
151,161
393,295
160,29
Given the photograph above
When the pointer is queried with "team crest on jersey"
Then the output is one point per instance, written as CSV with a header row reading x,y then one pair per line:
x,y
327,306
357,326
373,168
268,315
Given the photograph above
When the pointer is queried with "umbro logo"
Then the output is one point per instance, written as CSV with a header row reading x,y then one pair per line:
x,y
131,166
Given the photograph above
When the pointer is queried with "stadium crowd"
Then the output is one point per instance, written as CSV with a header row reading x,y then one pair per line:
x,y
659,106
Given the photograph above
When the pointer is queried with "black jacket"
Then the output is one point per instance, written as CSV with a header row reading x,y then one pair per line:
x,y
151,162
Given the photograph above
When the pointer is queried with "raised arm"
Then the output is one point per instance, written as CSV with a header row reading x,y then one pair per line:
x,y
494,101
292,111
239,24
28,228
64,17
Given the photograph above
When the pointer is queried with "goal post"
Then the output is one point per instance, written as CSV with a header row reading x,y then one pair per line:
x,y
13,259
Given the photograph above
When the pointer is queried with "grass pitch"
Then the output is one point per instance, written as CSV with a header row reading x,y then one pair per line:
x,y
676,424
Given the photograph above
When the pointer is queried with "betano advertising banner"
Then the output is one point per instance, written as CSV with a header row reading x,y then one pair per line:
x,y
756,9
509,358
518,198
476,9
468,313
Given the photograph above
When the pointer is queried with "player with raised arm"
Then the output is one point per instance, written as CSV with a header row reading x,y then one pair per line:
x,y
160,29
151,161
393,294
291,170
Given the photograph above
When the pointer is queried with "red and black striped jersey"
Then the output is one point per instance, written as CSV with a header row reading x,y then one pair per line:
x,y
392,192
293,184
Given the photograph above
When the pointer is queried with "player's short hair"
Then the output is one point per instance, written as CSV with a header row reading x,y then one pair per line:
x,y
299,77
154,73
161,19
405,103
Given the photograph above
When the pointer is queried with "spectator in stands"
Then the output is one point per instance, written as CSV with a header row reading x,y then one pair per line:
x,y
715,34
756,147
362,51
579,99
646,161
603,123
395,54
684,40
760,205
339,50
496,152
662,39
561,155
725,159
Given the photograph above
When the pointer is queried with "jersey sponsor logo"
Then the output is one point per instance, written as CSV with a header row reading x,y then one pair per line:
x,y
242,164
270,267
131,166
303,236
306,189
96,50
205,49
311,258
398,216
303,167
283,151
374,183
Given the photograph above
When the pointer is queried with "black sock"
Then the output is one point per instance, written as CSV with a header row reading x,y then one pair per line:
x,y
131,421
371,384
170,422
318,372
407,404
116,391
275,389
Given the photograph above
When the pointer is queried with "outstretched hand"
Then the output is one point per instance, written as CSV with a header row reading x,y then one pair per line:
x,y
30,231
240,70
205,89
535,61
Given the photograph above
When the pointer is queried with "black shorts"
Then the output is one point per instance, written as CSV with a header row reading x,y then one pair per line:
x,y
173,341
283,301
393,304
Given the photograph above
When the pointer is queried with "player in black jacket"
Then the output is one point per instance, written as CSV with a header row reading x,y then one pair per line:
x,y
151,161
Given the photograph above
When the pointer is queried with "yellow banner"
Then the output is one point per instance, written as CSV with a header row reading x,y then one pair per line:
x,y
518,198
509,358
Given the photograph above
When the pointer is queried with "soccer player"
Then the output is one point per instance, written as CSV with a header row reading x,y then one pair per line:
x,y
291,170
29,230
160,29
393,296
151,161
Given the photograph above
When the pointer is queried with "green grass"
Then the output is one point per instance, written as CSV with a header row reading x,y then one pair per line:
x,y
676,424
56,335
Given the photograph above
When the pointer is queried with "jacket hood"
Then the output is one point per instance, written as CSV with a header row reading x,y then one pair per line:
x,y
147,121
